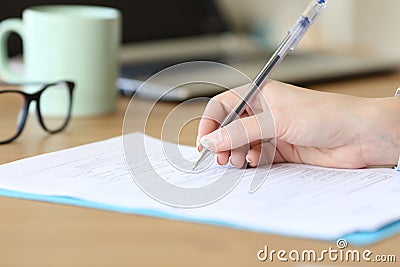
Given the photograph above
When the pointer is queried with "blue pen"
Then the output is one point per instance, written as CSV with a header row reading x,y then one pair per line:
x,y
288,44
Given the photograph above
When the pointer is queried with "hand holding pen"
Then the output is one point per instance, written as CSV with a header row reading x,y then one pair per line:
x,y
290,42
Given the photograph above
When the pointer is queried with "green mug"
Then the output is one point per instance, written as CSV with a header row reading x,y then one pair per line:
x,y
68,42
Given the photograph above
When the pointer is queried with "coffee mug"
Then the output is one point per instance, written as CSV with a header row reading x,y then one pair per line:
x,y
68,42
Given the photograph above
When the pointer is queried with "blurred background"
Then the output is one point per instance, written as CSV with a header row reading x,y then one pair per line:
x,y
369,24
345,24
158,33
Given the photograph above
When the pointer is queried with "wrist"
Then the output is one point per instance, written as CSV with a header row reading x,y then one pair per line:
x,y
380,131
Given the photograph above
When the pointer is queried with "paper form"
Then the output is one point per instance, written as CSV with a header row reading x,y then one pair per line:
x,y
296,200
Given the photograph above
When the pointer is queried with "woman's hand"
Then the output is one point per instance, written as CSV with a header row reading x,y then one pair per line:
x,y
310,127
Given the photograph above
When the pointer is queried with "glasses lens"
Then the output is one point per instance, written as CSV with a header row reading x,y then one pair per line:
x,y
55,104
12,105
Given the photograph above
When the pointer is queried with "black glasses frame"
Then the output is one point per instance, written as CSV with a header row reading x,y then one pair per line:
x,y
31,97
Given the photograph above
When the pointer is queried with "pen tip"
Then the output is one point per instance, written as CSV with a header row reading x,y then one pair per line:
x,y
195,166
203,155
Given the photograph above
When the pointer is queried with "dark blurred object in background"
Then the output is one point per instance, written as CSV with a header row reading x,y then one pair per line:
x,y
142,20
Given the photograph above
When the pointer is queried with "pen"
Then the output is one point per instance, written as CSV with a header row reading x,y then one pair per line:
x,y
288,44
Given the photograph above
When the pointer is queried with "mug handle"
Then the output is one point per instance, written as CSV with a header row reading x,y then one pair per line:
x,y
8,26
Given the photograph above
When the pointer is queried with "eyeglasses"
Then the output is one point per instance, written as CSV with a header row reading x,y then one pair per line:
x,y
50,98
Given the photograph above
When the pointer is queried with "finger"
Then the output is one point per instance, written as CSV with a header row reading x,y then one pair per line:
x,y
238,157
217,109
261,154
240,132
231,97
223,157
210,120
213,114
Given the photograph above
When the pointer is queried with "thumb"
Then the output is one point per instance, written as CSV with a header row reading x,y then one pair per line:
x,y
240,132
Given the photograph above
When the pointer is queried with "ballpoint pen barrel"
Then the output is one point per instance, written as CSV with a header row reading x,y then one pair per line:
x,y
304,22
290,42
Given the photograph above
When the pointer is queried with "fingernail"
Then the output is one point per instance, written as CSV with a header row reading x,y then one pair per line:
x,y
248,158
198,145
208,143
211,141
216,160
229,161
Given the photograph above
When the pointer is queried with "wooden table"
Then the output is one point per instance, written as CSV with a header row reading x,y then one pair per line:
x,y
42,234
